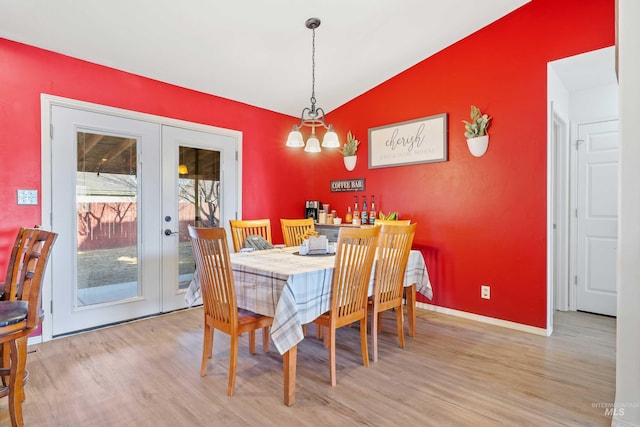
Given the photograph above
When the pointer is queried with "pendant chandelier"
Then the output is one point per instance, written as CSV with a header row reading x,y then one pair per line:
x,y
313,117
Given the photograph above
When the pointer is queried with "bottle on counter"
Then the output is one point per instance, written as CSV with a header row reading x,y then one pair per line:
x,y
356,213
349,216
364,216
373,213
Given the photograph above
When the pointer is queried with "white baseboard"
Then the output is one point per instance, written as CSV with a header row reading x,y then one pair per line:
x,y
484,319
34,340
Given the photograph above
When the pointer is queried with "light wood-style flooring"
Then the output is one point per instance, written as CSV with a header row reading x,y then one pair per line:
x,y
456,372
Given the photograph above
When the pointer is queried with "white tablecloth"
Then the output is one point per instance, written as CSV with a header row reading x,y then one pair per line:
x,y
295,289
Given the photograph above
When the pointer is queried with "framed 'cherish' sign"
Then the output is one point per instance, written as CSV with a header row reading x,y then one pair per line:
x,y
406,143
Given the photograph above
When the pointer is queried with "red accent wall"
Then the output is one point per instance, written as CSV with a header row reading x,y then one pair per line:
x,y
481,220
26,72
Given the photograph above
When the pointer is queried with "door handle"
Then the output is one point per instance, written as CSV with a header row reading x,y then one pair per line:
x,y
168,232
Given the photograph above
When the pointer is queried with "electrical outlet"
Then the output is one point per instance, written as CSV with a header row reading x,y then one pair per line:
x,y
485,291
27,197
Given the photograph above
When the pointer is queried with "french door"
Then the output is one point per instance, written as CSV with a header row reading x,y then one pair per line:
x,y
123,192
199,188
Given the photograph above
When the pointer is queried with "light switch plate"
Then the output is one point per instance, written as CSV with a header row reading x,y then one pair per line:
x,y
27,197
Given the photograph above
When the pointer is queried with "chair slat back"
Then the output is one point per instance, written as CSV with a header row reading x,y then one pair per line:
x,y
392,255
36,247
16,260
294,229
355,253
240,229
213,267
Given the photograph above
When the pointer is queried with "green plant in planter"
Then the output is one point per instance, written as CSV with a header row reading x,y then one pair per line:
x,y
478,124
350,146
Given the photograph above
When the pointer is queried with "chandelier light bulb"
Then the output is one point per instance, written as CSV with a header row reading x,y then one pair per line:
x,y
330,139
313,145
295,138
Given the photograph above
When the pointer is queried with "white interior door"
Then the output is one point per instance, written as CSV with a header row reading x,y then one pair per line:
x,y
122,193
199,188
597,229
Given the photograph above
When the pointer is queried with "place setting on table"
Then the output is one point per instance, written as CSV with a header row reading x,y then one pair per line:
x,y
293,285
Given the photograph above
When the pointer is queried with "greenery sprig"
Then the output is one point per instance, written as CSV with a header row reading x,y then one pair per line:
x,y
478,124
350,146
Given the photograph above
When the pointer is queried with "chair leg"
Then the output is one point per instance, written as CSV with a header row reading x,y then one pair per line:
x,y
319,332
363,341
252,341
374,334
233,361
207,348
266,332
400,321
304,330
330,335
6,363
18,357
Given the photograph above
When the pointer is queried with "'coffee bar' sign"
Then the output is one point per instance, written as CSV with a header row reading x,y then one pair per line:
x,y
344,185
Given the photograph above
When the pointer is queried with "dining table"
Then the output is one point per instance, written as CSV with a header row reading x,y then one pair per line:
x,y
295,289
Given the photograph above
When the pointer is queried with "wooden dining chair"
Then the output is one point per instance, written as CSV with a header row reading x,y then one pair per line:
x,y
9,287
21,314
240,229
293,230
394,246
218,290
355,252
392,222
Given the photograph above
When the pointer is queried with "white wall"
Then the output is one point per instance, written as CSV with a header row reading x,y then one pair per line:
x,y
557,92
628,330
594,104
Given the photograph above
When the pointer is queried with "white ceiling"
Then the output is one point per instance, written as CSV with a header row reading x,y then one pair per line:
x,y
253,51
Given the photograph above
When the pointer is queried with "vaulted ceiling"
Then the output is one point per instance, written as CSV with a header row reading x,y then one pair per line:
x,y
254,51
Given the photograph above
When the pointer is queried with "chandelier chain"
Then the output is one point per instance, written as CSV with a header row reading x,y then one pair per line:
x,y
313,71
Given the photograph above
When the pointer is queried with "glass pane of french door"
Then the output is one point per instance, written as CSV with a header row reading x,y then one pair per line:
x,y
199,189
107,207
198,201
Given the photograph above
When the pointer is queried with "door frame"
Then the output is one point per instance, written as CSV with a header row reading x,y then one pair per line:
x,y
561,202
560,189
46,103
557,233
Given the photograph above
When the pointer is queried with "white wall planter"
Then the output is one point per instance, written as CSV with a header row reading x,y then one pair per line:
x,y
478,145
350,162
